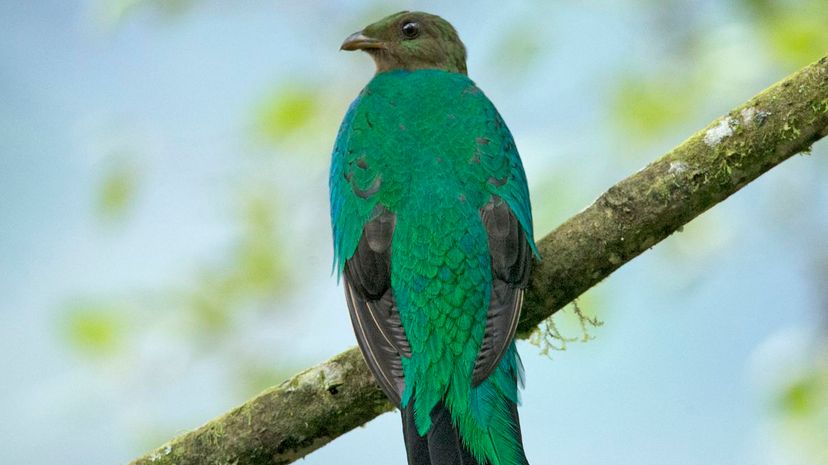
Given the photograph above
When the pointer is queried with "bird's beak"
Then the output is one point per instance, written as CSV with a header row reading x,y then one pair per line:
x,y
359,41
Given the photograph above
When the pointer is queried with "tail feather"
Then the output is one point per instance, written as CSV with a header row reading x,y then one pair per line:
x,y
507,436
443,445
487,416
416,446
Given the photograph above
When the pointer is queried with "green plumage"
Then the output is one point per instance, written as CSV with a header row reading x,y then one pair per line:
x,y
435,151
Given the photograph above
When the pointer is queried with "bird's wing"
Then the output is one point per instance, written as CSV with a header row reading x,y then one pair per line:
x,y
511,264
507,218
372,305
352,187
362,231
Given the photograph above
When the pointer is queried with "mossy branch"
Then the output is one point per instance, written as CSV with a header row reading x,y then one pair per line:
x,y
314,407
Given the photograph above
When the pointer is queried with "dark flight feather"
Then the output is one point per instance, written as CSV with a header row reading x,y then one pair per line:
x,y
511,264
372,306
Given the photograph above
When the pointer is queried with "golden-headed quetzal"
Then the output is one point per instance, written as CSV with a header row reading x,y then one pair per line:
x,y
433,238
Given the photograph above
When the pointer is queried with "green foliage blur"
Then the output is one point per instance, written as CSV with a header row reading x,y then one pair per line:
x,y
117,190
803,411
95,329
287,112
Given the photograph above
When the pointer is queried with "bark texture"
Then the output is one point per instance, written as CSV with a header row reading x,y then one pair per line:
x,y
314,407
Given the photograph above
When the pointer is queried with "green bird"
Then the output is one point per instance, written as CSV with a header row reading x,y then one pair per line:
x,y
432,232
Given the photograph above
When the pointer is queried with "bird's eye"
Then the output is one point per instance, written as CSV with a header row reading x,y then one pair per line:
x,y
411,29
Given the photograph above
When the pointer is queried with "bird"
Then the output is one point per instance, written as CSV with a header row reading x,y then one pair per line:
x,y
433,242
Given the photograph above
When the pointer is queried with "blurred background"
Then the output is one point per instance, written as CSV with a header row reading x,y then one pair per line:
x,y
165,246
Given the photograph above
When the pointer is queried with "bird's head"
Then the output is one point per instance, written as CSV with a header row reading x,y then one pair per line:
x,y
411,40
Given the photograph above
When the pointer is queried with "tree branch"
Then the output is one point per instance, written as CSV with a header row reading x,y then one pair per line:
x,y
314,407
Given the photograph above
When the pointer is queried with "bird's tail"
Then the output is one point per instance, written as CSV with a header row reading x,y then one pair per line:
x,y
442,445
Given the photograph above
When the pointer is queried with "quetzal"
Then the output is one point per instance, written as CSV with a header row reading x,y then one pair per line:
x,y
433,239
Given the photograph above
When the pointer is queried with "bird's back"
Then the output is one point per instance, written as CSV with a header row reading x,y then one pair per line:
x,y
427,150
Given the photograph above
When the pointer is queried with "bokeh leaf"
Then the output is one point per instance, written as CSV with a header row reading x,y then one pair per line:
x,y
799,39
796,30
645,107
800,397
804,413
94,328
287,111
116,191
113,12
